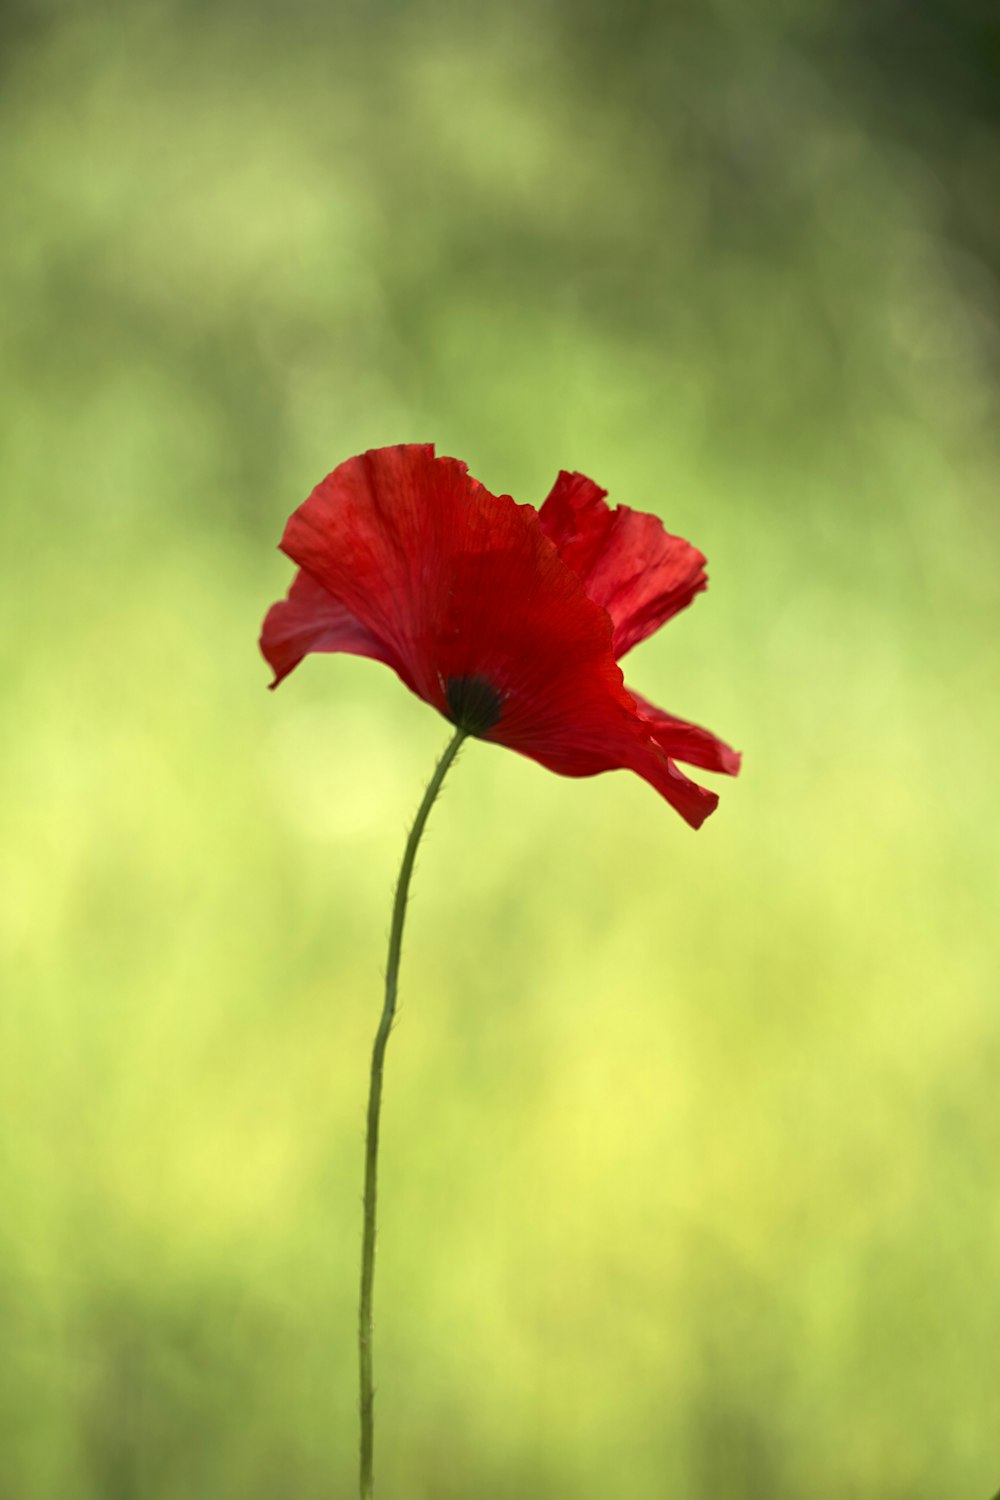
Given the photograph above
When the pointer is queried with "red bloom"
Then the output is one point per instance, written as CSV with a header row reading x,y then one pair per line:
x,y
507,620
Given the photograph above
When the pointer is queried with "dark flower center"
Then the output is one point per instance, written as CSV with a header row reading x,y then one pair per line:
x,y
473,704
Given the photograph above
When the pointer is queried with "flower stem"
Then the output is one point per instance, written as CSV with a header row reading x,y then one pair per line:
x,y
374,1107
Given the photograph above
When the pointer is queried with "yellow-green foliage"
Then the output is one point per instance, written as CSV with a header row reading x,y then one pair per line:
x,y
691,1143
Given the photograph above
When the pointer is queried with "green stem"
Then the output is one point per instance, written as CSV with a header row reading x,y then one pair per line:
x,y
374,1107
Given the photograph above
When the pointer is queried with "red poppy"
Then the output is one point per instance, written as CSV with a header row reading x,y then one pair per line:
x,y
508,620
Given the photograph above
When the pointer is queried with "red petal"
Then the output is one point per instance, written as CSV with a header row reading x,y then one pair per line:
x,y
311,619
628,563
632,752
585,722
376,534
694,803
688,742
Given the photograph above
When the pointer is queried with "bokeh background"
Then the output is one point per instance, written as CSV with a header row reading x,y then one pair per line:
x,y
691,1153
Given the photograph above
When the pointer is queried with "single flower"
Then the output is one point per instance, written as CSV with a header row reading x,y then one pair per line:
x,y
508,620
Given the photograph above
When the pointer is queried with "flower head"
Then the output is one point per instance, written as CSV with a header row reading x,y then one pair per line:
x,y
508,620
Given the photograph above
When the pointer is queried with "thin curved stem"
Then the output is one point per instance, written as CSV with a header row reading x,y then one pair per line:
x,y
374,1108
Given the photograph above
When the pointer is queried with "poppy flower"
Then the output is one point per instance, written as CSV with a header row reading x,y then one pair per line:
x,y
508,620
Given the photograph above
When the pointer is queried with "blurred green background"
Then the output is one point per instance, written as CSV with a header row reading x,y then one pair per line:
x,y
691,1152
